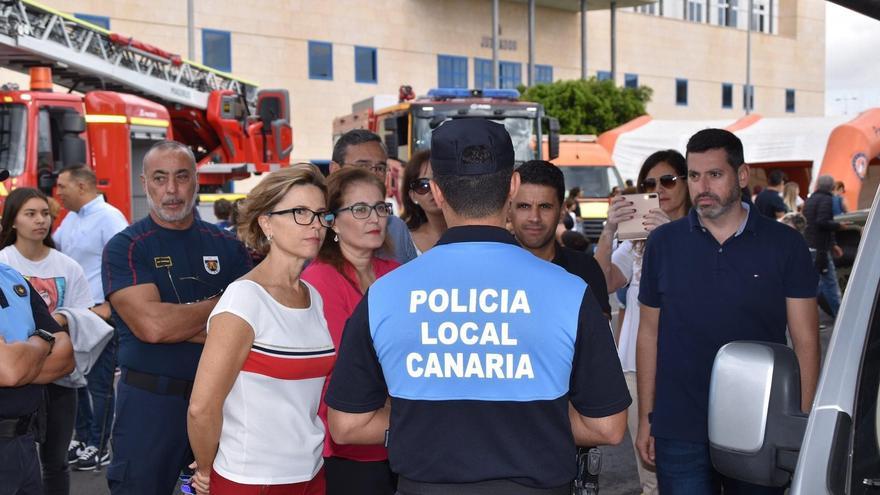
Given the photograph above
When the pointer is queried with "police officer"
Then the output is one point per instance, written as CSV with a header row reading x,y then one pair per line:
x,y
162,275
33,351
497,362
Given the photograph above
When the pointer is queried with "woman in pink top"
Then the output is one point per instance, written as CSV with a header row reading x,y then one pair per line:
x,y
346,266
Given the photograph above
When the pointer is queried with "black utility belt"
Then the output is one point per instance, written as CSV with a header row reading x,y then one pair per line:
x,y
157,384
493,487
16,427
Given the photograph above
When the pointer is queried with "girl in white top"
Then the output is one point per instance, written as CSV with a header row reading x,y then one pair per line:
x,y
253,416
664,172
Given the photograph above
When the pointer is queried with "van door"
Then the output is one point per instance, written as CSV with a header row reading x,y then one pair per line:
x,y
865,468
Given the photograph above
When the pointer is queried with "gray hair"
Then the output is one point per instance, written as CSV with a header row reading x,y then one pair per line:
x,y
172,147
825,183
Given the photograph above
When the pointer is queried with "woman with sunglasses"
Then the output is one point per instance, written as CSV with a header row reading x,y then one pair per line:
x,y
253,417
347,265
664,173
420,212
28,247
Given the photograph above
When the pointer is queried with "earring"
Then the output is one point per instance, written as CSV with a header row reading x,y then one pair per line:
x,y
415,201
335,237
269,237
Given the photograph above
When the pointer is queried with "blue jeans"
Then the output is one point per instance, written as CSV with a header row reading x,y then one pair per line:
x,y
96,399
685,468
828,286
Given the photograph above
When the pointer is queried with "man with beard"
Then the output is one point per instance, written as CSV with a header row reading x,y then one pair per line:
x,y
162,275
535,212
723,273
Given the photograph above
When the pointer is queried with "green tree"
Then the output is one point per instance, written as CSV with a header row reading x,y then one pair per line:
x,y
589,106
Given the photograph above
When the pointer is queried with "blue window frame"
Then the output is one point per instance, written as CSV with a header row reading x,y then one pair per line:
x,y
789,100
97,20
483,75
726,95
320,60
631,80
452,71
365,65
543,74
510,74
681,92
603,75
217,49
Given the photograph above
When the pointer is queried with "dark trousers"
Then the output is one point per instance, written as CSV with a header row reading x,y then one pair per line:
x,y
345,477
150,444
685,468
19,466
60,417
95,400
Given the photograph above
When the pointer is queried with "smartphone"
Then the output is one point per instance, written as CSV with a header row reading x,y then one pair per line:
x,y
633,229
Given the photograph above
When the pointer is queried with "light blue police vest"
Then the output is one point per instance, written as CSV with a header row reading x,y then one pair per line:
x,y
476,321
16,317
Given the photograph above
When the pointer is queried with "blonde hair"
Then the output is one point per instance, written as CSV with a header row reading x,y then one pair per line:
x,y
266,195
790,195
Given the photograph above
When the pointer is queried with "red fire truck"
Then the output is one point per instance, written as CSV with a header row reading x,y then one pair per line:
x,y
123,96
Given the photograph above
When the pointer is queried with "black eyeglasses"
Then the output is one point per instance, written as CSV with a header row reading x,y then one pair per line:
x,y
363,210
305,216
421,186
667,181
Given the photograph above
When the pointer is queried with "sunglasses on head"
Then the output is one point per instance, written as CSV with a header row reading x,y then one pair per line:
x,y
667,181
422,185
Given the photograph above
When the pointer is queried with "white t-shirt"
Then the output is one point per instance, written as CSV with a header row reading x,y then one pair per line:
x,y
57,278
271,432
629,263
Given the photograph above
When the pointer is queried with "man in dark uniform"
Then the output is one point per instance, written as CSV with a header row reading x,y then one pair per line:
x,y
33,351
497,363
162,275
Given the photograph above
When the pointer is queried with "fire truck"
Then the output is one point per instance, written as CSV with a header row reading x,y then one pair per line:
x,y
405,122
123,96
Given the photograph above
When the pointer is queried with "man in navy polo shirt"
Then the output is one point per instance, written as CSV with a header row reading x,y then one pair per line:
x,y
162,275
497,362
723,273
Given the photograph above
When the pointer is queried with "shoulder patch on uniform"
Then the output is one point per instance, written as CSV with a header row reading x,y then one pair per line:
x,y
163,262
20,290
212,264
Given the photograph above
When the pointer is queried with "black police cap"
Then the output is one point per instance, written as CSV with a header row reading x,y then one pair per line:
x,y
471,146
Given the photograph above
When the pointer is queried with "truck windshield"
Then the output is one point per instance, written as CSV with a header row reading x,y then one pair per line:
x,y
594,181
13,138
521,129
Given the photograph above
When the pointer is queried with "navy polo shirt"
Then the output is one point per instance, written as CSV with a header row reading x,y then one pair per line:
x,y
481,346
710,294
186,266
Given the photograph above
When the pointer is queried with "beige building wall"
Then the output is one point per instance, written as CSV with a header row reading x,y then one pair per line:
x,y
270,38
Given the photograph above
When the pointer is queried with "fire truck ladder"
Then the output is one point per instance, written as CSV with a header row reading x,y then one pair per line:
x,y
86,57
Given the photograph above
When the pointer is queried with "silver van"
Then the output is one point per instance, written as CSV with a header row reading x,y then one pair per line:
x,y
757,432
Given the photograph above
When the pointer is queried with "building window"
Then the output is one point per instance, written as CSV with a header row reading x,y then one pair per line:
x,y
543,74
789,100
452,72
760,20
727,12
97,20
694,10
603,75
631,81
646,9
217,49
748,97
483,75
365,64
511,74
320,60
726,95
681,92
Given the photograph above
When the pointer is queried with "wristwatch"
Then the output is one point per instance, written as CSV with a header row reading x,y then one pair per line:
x,y
48,337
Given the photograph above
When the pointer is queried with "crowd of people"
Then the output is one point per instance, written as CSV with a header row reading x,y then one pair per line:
x,y
314,342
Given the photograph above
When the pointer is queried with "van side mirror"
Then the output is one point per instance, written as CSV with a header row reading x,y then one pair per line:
x,y
552,138
755,421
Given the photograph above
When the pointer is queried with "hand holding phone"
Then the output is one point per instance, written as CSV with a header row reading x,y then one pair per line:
x,y
634,228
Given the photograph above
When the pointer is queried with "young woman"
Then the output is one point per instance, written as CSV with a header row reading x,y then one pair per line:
x,y
791,197
253,417
664,172
420,211
27,246
346,267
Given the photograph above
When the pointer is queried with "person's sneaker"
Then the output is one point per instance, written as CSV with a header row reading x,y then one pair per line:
x,y
89,459
74,451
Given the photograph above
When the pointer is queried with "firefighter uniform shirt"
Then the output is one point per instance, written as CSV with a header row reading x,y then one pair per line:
x,y
481,346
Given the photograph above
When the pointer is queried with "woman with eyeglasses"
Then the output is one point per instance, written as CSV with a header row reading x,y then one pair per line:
x,y
420,212
253,417
347,266
27,246
664,173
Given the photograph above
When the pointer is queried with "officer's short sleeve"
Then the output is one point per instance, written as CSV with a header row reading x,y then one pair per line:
x,y
42,318
357,384
801,278
649,290
124,264
597,387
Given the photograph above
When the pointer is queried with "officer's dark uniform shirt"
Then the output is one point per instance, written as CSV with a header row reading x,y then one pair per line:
x,y
22,311
586,267
481,346
186,266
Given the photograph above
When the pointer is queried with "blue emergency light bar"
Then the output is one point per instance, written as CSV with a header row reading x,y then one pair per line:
x,y
450,93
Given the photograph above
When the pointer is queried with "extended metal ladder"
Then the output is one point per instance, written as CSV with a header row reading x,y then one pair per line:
x,y
86,57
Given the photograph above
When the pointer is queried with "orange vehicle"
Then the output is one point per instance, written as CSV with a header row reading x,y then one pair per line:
x,y
130,95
